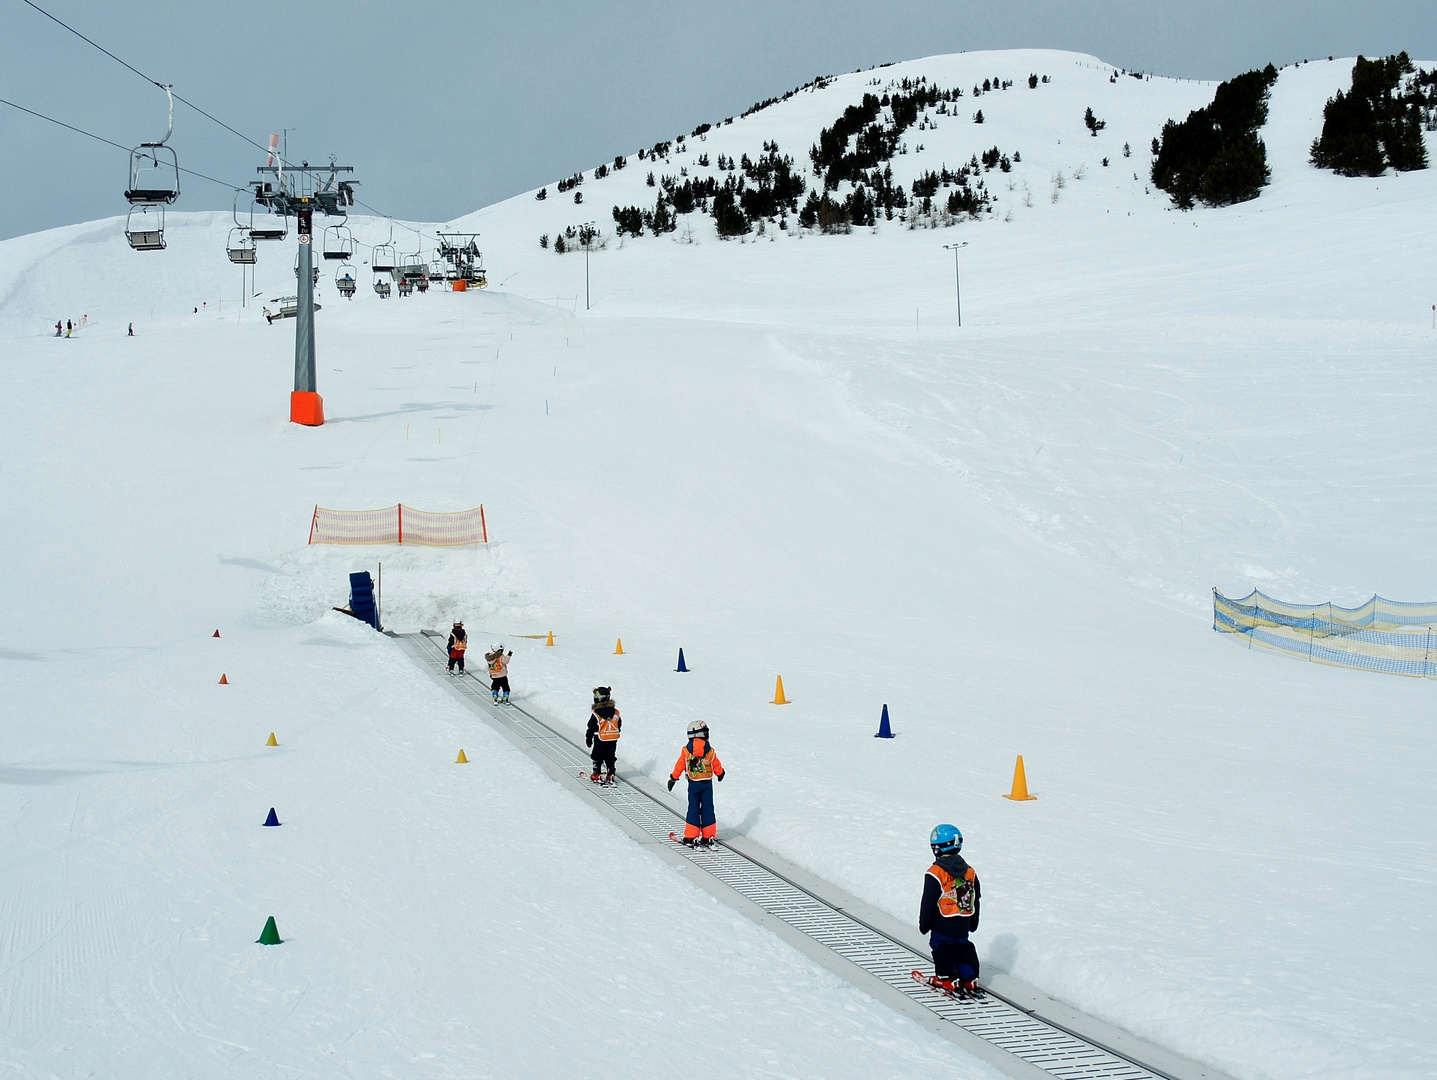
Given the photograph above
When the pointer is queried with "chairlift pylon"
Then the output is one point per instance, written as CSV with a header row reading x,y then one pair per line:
x,y
338,242
146,232
315,269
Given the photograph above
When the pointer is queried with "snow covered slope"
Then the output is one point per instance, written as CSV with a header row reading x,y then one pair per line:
x,y
783,456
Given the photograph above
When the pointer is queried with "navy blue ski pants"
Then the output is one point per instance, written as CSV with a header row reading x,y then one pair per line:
x,y
701,804
954,959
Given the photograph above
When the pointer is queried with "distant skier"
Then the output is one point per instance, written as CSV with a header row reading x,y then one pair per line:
x,y
602,737
69,328
132,330
498,661
701,765
59,329
949,913
458,642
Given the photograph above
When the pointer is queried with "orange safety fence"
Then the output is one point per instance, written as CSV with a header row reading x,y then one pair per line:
x,y
398,524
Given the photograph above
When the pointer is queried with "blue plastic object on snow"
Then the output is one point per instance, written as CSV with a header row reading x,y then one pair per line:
x,y
273,819
361,598
682,666
884,731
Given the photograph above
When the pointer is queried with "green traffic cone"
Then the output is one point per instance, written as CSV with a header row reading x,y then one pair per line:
x,y
270,934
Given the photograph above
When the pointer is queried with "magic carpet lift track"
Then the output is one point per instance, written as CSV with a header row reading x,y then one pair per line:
x,y
997,1028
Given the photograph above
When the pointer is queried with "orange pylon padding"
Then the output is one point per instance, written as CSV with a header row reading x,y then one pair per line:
x,y
778,698
461,759
217,633
306,407
224,679
551,638
272,741
1020,784
619,647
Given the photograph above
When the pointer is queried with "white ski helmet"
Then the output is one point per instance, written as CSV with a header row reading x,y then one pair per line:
x,y
497,649
697,728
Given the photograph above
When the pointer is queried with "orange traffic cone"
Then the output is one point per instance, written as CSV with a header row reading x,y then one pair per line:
x,y
224,679
619,647
551,638
778,698
461,759
1020,784
272,741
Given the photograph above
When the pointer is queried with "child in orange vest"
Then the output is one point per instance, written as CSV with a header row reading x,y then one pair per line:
x,y
698,761
949,913
458,642
602,737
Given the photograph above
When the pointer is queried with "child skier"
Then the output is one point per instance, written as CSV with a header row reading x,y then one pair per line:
x,y
949,913
458,642
498,661
602,737
698,761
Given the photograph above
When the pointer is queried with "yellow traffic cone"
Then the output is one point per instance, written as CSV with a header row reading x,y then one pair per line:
x,y
551,638
778,698
1020,784
272,740
619,647
461,759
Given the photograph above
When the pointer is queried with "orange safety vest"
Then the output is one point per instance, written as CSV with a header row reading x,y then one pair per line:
x,y
609,727
700,760
498,666
460,644
956,897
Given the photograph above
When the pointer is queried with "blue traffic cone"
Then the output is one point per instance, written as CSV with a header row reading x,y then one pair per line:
x,y
682,666
884,731
273,818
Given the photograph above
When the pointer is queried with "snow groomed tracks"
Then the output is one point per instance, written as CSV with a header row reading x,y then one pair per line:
x,y
999,1028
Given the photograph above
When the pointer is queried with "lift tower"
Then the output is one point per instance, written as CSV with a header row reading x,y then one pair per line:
x,y
298,192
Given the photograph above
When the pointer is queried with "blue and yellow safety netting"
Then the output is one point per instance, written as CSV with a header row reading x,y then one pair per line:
x,y
1380,635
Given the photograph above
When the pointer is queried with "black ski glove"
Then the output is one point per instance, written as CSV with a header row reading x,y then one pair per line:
x,y
721,776
672,782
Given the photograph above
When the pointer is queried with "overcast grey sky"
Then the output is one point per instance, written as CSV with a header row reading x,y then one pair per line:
x,y
445,107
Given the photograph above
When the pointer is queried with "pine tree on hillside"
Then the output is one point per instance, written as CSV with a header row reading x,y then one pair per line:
x,y
1377,123
1215,154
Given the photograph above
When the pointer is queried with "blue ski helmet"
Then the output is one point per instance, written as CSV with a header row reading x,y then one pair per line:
x,y
945,840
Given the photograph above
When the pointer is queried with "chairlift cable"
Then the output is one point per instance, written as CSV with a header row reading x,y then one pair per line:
x,y
107,142
142,75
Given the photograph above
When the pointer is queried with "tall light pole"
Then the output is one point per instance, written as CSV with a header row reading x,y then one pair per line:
x,y
587,232
957,280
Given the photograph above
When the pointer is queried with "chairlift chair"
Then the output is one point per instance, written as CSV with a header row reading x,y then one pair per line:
x,y
154,176
422,284
344,280
383,258
338,242
405,286
267,226
436,270
155,171
414,267
382,287
240,247
147,231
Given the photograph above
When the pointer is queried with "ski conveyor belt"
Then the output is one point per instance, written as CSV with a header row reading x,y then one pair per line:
x,y
1013,1027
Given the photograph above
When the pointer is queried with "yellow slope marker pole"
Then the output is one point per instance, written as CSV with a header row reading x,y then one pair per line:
x,y
1020,784
778,698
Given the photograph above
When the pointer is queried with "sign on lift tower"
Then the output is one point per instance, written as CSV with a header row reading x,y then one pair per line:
x,y
299,192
